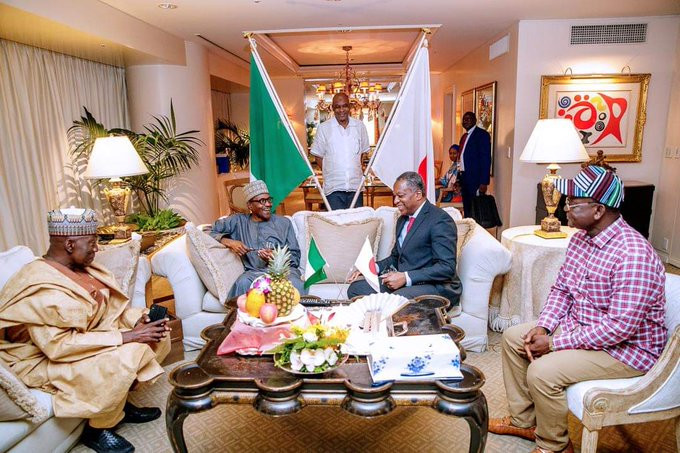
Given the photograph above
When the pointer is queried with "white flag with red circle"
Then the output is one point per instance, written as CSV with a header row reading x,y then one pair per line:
x,y
365,263
406,144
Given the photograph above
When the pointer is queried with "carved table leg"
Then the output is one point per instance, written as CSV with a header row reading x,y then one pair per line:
x,y
176,411
473,408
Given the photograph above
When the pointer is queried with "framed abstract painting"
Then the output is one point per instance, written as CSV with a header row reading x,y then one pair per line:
x,y
608,111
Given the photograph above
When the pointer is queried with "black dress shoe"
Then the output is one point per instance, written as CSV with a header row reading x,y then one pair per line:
x,y
134,414
105,441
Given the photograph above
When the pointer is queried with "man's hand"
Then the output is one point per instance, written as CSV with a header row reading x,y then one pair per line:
x,y
394,280
482,188
266,255
353,276
147,332
536,343
143,319
235,246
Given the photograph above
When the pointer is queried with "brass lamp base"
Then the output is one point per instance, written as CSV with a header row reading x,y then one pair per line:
x,y
550,234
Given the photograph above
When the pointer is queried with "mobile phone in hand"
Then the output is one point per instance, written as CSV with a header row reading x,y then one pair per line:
x,y
157,312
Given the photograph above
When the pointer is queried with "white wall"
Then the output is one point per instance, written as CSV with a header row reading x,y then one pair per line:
x,y
544,49
474,70
150,88
666,234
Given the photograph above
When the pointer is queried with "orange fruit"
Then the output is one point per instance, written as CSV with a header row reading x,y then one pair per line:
x,y
254,300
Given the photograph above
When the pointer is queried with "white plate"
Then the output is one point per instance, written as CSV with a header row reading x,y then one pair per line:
x,y
297,313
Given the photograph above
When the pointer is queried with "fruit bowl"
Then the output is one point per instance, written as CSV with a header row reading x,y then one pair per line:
x,y
298,312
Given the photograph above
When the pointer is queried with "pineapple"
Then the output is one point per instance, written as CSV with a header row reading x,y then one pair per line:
x,y
282,292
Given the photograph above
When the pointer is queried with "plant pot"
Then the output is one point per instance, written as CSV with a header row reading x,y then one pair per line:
x,y
222,163
148,239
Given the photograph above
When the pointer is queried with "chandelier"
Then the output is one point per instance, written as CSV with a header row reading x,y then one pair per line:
x,y
363,96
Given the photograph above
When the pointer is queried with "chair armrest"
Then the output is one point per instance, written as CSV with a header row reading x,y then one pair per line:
x,y
482,259
655,391
172,262
142,278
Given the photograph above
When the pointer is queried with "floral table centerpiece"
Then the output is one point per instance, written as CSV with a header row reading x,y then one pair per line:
x,y
314,349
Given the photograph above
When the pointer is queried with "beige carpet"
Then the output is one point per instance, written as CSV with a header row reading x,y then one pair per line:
x,y
317,429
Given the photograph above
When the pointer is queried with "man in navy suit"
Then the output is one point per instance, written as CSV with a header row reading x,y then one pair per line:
x,y
475,161
423,260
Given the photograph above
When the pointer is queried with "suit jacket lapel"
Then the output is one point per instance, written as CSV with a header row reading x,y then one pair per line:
x,y
419,220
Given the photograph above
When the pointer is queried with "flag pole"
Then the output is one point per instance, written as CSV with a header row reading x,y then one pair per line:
x,y
407,77
282,114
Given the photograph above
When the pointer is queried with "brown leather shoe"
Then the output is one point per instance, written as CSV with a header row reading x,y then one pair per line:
x,y
568,449
504,427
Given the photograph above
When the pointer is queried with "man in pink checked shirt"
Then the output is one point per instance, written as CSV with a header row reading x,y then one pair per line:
x,y
603,319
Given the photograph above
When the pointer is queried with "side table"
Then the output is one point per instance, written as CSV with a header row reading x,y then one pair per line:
x,y
535,264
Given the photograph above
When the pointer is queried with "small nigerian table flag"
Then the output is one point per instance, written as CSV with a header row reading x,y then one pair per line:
x,y
365,264
315,263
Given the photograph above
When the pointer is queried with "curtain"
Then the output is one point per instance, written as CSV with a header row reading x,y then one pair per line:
x,y
221,105
41,94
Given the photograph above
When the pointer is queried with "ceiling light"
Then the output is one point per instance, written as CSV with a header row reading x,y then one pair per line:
x,y
167,6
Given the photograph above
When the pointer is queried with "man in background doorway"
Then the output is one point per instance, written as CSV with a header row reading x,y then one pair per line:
x,y
475,161
339,143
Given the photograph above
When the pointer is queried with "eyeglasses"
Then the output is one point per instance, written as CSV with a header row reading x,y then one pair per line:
x,y
263,201
568,206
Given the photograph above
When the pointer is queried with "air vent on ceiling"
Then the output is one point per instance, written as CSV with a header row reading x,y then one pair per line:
x,y
609,34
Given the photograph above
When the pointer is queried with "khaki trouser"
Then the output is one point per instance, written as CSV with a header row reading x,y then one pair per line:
x,y
112,418
536,391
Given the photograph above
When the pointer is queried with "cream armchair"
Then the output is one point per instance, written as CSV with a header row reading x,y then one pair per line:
x,y
653,396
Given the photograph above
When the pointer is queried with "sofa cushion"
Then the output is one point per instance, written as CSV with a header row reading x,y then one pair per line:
x,y
23,403
217,266
12,260
122,260
388,237
340,243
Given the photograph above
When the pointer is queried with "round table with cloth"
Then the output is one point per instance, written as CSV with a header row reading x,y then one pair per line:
x,y
519,295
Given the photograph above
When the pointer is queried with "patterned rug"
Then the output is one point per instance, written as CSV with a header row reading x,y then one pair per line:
x,y
320,429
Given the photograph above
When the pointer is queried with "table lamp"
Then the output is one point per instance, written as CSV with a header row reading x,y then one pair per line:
x,y
553,141
113,158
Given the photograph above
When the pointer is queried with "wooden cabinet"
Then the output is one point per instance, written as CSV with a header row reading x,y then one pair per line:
x,y
636,208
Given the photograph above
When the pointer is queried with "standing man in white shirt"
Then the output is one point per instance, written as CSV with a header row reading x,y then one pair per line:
x,y
339,143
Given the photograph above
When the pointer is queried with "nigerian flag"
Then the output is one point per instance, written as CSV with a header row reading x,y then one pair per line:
x,y
314,272
274,156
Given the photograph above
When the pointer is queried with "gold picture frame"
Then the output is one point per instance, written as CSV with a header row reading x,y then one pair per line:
x,y
608,111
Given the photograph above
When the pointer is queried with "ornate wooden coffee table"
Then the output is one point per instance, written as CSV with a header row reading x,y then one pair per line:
x,y
234,379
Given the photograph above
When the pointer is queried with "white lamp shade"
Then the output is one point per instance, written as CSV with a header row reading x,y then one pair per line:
x,y
554,141
114,157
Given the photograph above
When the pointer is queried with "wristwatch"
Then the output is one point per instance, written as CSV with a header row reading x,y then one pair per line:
x,y
551,346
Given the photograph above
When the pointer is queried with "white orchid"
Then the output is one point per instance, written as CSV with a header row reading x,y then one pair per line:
x,y
330,355
319,357
307,358
310,336
295,361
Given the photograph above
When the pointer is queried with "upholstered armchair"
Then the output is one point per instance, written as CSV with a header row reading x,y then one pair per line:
x,y
653,396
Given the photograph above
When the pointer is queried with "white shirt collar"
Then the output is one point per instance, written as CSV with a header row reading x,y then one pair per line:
x,y
415,214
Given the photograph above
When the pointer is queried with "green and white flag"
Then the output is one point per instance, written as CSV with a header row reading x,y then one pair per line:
x,y
275,155
314,272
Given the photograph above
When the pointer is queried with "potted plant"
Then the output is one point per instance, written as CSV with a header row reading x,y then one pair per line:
x,y
165,152
234,142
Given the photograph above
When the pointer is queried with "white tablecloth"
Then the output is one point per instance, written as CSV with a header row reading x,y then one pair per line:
x,y
521,293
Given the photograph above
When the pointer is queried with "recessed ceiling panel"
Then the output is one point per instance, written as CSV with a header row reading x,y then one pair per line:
x,y
325,48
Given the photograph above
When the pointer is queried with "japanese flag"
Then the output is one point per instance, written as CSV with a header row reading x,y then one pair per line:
x,y
365,264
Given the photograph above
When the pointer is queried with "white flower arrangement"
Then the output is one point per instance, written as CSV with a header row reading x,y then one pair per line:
x,y
314,349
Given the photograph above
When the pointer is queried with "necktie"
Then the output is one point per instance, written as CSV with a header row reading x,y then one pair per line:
x,y
461,145
410,224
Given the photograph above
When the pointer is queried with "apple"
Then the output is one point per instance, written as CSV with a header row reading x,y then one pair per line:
x,y
268,313
241,302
